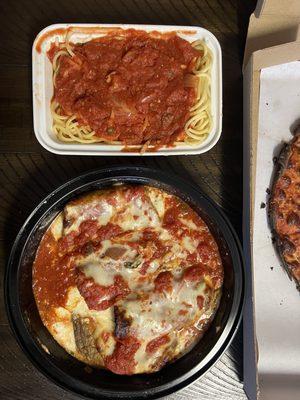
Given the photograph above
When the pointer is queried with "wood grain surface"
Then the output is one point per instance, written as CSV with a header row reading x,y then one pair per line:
x,y
28,172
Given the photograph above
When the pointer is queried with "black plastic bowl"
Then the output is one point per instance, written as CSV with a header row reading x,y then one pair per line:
x,y
71,374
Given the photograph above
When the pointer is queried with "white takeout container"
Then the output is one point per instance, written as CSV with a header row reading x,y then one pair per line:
x,y
42,87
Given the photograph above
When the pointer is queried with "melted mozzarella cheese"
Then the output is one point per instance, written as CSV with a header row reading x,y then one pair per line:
x,y
138,214
189,223
62,329
190,244
64,334
157,198
103,273
159,314
57,227
153,266
75,303
94,208
103,269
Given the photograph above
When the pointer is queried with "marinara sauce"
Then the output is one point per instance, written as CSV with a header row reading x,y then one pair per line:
x,y
132,87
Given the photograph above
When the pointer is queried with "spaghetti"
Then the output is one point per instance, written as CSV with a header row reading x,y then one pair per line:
x,y
199,124
193,100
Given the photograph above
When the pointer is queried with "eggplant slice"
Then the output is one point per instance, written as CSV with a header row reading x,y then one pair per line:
x,y
122,323
85,342
284,207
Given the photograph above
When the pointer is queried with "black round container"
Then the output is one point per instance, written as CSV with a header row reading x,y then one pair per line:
x,y
71,374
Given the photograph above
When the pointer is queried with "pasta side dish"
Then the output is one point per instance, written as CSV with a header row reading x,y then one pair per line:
x,y
128,278
141,90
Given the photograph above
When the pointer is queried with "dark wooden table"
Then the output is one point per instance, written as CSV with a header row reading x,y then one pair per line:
x,y
28,172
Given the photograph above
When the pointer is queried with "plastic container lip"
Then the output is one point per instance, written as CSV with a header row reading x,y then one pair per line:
x,y
13,294
43,90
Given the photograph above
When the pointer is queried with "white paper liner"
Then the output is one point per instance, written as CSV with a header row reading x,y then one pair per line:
x,y
277,301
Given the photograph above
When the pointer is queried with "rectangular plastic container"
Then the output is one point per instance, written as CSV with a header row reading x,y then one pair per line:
x,y
42,87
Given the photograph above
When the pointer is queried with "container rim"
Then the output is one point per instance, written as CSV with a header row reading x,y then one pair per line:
x,y
40,90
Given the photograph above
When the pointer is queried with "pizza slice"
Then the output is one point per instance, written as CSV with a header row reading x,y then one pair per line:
x,y
284,207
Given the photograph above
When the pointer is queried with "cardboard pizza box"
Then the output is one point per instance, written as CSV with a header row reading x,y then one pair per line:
x,y
271,108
